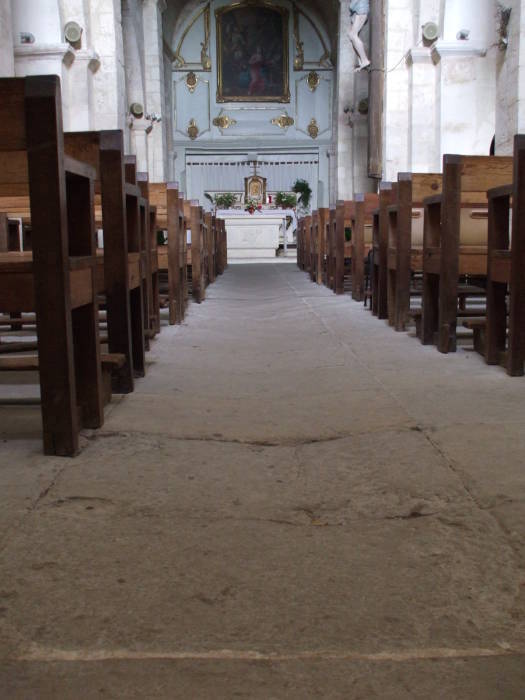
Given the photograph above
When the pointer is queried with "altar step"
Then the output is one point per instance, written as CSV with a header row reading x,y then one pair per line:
x,y
281,259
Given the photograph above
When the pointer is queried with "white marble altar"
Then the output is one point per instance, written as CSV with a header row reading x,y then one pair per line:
x,y
254,237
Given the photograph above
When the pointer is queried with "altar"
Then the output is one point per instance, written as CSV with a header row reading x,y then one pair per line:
x,y
256,237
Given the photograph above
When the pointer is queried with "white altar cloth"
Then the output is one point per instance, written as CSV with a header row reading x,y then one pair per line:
x,y
254,236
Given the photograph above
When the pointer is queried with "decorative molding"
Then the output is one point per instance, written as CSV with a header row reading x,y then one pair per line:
x,y
419,54
457,49
324,61
205,59
191,82
205,62
298,62
224,121
193,129
313,80
64,52
313,128
284,121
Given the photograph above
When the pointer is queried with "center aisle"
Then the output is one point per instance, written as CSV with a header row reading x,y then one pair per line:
x,y
296,502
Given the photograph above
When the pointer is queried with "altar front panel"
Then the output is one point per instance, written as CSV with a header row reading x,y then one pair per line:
x,y
252,236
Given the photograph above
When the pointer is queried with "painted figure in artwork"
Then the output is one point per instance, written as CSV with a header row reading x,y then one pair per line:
x,y
359,10
257,81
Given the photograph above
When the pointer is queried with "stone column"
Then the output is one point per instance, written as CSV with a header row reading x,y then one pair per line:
x,y
77,88
7,59
400,38
344,104
45,51
424,143
108,94
467,96
154,86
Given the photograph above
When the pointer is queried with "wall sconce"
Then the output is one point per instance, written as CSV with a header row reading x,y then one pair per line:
x,y
136,110
73,34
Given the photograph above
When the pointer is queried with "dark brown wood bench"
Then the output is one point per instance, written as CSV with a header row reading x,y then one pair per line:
x,y
505,332
361,224
455,240
56,280
405,241
379,272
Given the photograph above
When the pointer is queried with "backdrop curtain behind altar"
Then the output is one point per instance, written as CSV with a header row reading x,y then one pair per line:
x,y
226,173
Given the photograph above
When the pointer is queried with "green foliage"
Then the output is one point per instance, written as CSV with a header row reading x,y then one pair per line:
x,y
285,200
225,201
303,189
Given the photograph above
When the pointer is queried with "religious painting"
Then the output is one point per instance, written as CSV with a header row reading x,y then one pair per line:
x,y
252,53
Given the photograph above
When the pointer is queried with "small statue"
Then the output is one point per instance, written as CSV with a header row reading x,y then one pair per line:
x,y
359,10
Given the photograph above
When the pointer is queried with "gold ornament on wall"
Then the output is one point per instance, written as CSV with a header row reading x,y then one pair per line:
x,y
191,82
284,121
313,80
193,129
313,128
224,122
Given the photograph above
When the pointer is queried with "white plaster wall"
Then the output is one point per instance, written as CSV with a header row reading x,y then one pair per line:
x,y
41,18
7,59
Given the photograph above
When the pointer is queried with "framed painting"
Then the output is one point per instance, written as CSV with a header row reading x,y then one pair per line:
x,y
252,53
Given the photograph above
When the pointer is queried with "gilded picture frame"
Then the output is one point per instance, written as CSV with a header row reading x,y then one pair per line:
x,y
252,52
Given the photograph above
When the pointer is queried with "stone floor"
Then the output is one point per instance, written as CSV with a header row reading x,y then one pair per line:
x,y
296,502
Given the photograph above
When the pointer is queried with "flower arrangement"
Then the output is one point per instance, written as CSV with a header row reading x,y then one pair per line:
x,y
303,189
285,200
222,201
251,205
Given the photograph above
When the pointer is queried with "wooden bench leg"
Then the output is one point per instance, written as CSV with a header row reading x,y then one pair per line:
x,y
137,331
51,265
87,366
430,313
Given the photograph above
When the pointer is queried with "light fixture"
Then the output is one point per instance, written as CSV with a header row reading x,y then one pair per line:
x,y
430,32
136,110
73,32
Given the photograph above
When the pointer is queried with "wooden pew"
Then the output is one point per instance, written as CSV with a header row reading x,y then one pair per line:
x,y
331,249
211,243
379,272
318,246
299,239
119,277
506,271
307,237
222,247
344,212
405,241
171,257
361,224
148,214
455,239
58,278
196,252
